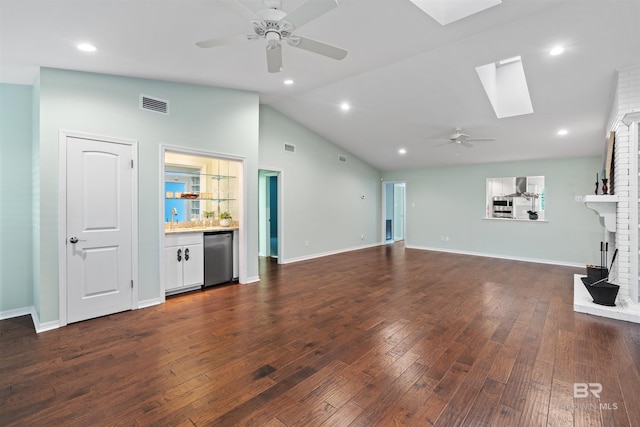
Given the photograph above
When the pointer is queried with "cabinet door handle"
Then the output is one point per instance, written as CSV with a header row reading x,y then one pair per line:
x,y
179,255
186,254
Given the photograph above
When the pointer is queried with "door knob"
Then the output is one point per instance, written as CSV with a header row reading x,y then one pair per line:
x,y
73,240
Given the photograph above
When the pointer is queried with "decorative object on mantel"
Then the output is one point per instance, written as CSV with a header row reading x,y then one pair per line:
x,y
597,185
602,292
609,166
605,190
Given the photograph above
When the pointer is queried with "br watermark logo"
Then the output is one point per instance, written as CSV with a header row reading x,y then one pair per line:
x,y
586,390
582,390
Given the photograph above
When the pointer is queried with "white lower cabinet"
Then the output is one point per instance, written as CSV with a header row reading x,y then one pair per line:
x,y
183,261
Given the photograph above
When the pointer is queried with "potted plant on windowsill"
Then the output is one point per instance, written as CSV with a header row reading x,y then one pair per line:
x,y
225,219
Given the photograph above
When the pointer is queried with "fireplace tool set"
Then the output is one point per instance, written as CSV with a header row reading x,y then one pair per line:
x,y
597,280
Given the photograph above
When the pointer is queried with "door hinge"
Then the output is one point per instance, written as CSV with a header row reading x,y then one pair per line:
x,y
131,283
131,163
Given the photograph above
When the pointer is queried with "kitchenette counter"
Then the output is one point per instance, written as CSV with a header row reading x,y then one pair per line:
x,y
199,229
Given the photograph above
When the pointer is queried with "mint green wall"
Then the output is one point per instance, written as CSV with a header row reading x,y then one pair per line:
x,y
322,197
202,118
450,201
15,204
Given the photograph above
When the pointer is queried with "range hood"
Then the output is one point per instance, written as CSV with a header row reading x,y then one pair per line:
x,y
521,188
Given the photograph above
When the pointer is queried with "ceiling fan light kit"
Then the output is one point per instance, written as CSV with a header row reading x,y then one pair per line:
x,y
274,25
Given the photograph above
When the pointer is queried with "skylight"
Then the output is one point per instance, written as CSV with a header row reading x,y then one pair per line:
x,y
448,11
506,86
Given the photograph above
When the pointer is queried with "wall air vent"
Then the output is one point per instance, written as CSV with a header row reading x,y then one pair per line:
x,y
342,158
154,104
290,148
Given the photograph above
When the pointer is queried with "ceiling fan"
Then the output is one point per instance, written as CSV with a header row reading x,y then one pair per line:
x,y
274,25
460,138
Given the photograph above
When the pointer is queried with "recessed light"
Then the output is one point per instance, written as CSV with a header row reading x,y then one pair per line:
x,y
556,50
288,82
402,151
86,47
563,132
345,106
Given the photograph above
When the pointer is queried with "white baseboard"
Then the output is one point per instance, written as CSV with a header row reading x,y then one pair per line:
x,y
323,254
17,312
512,258
150,302
252,279
30,311
43,327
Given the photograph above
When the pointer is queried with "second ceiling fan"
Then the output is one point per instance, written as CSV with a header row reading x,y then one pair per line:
x,y
274,25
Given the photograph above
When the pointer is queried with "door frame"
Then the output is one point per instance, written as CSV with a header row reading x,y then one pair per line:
x,y
280,173
383,215
63,135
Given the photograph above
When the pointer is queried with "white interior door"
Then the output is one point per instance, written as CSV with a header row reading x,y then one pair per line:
x,y
99,228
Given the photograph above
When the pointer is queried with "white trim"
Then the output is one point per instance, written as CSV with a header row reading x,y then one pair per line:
x,y
498,256
634,273
251,279
150,302
62,218
243,184
30,311
16,312
323,254
281,243
515,219
43,327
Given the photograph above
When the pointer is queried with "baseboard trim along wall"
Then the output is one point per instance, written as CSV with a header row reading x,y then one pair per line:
x,y
323,254
43,327
150,302
512,258
17,312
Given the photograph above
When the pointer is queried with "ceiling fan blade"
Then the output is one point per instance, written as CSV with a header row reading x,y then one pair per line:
x,y
225,40
443,144
466,144
274,59
439,140
481,139
308,12
240,9
317,47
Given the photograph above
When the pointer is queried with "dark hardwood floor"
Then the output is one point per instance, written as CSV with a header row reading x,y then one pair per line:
x,y
382,336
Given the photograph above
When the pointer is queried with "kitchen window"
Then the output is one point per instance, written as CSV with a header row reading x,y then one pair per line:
x,y
519,198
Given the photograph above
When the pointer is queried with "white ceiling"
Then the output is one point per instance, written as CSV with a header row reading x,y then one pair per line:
x,y
408,78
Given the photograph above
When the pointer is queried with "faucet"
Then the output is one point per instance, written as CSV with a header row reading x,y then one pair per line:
x,y
174,214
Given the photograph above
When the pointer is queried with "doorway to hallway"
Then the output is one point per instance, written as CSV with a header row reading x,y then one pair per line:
x,y
393,207
269,213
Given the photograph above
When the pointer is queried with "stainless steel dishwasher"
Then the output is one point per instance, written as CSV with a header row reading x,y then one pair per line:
x,y
218,257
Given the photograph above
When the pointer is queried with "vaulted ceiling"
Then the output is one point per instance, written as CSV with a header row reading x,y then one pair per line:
x,y
407,78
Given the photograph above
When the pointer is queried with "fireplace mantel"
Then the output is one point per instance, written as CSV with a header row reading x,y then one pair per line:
x,y
605,207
